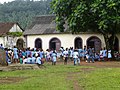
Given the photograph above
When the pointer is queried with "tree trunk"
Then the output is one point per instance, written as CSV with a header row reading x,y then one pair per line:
x,y
110,41
106,38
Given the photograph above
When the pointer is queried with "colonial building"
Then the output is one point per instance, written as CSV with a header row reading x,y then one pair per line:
x,y
8,37
42,34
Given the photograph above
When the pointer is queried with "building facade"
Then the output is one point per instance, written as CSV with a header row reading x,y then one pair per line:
x,y
9,40
42,34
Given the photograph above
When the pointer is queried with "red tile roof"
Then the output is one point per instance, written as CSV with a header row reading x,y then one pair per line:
x,y
5,27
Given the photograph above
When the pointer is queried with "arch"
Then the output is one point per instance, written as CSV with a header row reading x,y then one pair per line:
x,y
116,44
20,43
94,42
38,43
54,44
78,43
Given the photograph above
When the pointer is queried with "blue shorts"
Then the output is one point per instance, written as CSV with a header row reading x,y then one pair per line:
x,y
15,56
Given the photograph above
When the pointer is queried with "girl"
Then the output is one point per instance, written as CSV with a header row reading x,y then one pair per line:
x,y
33,59
54,58
109,54
38,60
65,53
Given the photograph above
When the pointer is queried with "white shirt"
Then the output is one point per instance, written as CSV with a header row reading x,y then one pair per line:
x,y
65,53
104,53
25,60
38,60
75,54
101,52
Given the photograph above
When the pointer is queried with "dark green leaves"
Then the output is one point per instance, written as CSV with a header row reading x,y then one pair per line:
x,y
80,15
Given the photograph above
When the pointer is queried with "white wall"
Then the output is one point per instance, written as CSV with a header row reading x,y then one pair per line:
x,y
9,41
15,28
67,40
2,40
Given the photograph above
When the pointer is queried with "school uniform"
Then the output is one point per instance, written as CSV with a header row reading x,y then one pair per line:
x,y
29,60
54,58
91,54
38,61
65,53
15,53
25,61
33,60
104,53
109,54
75,57
80,51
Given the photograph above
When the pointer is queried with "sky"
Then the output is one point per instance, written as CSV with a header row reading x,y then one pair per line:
x,y
2,1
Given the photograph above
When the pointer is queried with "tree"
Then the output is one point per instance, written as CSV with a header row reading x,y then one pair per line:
x,y
101,16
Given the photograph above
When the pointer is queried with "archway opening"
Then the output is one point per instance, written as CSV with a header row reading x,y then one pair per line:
x,y
95,43
54,44
20,43
78,43
38,43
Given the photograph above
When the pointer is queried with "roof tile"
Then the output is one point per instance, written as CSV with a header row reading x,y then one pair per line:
x,y
5,27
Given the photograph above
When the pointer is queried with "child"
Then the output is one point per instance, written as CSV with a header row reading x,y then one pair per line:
x,y
24,59
54,58
38,60
33,59
29,60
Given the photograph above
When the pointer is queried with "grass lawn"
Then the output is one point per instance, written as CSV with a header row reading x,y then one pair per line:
x,y
62,77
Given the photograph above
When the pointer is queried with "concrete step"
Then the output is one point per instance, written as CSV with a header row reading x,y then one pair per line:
x,y
13,67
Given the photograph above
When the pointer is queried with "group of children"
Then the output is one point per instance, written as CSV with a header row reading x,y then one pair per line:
x,y
38,56
30,56
88,54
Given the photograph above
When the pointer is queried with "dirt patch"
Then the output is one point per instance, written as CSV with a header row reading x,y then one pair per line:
x,y
9,80
72,77
86,70
13,67
101,64
76,85
106,64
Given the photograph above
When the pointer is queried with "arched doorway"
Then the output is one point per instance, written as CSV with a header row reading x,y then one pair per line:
x,y
20,43
38,43
94,42
78,43
116,44
54,44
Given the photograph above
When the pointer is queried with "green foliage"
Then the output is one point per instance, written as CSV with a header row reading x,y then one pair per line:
x,y
17,34
101,16
22,11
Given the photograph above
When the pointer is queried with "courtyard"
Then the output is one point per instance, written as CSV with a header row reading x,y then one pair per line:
x,y
87,76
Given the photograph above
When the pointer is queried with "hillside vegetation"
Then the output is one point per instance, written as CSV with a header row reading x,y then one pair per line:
x,y
22,11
